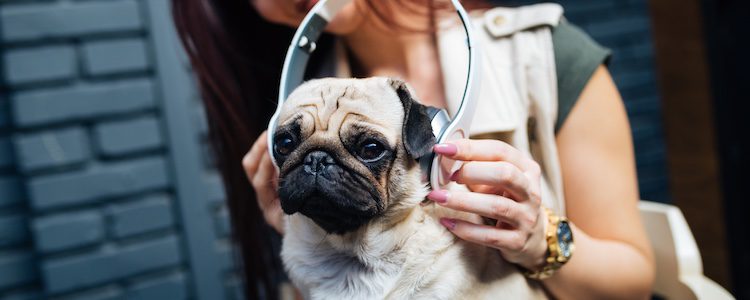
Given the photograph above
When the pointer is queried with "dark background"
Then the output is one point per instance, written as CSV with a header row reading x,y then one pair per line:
x,y
728,41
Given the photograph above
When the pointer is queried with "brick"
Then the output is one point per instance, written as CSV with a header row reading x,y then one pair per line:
x,y
619,28
651,156
584,8
236,289
6,152
199,118
225,256
64,274
118,179
36,21
173,287
82,102
108,57
17,268
208,161
637,52
56,148
648,90
124,137
40,64
223,223
106,293
12,230
24,295
10,191
4,113
214,187
620,66
68,230
152,213
634,79
644,105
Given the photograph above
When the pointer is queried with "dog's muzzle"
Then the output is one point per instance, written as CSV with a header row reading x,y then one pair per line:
x,y
337,198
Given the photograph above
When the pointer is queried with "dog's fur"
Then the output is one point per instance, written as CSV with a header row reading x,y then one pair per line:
x,y
356,228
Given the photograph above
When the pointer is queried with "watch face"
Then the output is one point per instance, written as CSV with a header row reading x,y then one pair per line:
x,y
565,238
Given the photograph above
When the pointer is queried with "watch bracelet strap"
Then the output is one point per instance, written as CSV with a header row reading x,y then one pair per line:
x,y
547,271
551,265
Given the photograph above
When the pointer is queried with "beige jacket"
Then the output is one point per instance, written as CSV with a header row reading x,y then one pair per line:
x,y
518,97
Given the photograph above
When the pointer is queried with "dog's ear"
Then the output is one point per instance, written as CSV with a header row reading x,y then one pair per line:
x,y
417,132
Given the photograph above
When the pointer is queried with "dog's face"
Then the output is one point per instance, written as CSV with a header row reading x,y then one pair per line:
x,y
347,149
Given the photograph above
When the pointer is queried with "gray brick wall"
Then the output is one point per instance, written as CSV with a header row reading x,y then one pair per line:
x,y
96,108
19,278
624,27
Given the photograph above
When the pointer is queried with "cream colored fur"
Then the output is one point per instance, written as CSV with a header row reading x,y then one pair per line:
x,y
403,254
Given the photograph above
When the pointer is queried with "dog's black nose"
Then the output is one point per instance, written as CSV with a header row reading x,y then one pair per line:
x,y
317,161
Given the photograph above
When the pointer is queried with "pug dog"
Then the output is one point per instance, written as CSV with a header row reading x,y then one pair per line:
x,y
351,186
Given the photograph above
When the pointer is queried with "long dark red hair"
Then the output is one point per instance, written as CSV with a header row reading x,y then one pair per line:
x,y
237,58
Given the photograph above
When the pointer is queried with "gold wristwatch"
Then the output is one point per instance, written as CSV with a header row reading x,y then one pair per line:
x,y
559,246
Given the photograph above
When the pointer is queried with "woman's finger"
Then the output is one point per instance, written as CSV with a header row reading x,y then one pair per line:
x,y
487,189
485,150
486,205
490,236
503,175
266,173
263,183
275,217
252,159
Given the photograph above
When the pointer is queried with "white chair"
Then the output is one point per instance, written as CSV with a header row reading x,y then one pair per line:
x,y
679,270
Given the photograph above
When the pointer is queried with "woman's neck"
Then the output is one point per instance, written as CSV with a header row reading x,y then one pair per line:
x,y
377,51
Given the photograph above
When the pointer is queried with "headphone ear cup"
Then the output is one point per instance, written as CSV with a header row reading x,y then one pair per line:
x,y
439,121
432,113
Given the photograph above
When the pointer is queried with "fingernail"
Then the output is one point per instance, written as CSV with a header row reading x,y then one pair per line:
x,y
448,223
439,196
454,176
446,149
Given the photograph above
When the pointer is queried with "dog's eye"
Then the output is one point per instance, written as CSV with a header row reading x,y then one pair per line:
x,y
371,150
284,144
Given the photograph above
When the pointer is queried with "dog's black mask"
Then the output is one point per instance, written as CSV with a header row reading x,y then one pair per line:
x,y
337,198
341,184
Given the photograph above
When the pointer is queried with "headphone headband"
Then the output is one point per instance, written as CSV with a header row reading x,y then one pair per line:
x,y
444,128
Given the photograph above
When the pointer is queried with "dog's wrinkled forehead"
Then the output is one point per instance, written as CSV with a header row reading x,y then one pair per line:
x,y
327,104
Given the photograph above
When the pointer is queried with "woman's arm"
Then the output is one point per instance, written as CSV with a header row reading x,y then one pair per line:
x,y
613,257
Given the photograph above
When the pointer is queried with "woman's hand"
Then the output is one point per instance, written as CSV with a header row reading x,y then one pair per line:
x,y
505,185
264,178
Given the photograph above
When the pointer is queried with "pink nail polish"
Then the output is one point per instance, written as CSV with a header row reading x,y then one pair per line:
x,y
454,176
439,196
446,149
448,223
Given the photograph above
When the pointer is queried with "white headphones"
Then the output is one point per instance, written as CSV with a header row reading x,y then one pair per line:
x,y
444,128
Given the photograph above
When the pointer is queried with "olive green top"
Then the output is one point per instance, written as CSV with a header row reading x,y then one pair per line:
x,y
576,58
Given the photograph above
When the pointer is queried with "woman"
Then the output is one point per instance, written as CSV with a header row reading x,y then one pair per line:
x,y
237,47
